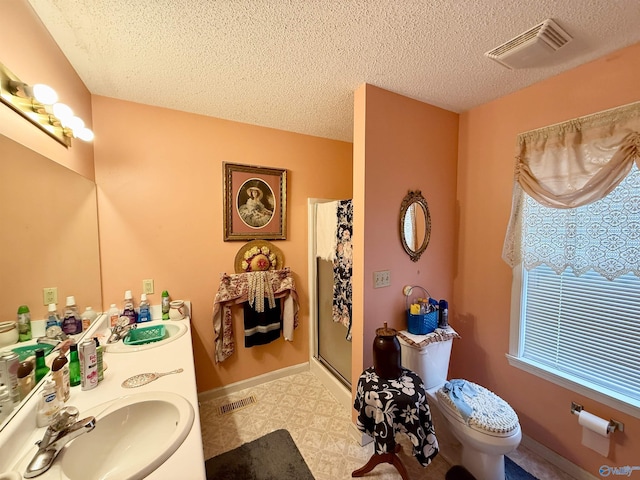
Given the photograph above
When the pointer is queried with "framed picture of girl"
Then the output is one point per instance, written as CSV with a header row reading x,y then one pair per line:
x,y
255,202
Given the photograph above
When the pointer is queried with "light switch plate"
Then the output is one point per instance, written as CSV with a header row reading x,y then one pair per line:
x,y
381,279
147,286
50,295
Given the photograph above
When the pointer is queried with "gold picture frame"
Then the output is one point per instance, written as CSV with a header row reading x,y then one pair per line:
x,y
255,202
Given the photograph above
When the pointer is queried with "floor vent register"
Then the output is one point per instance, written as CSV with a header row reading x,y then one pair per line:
x,y
237,405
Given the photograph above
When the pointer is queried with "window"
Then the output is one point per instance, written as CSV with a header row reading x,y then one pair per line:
x,y
579,325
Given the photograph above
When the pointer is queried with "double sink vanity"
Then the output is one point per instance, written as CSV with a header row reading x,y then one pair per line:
x,y
151,431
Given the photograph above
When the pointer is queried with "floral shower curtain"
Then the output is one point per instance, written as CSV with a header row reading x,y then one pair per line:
x,y
343,266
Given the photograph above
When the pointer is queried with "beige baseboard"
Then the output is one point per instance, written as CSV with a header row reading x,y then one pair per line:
x,y
252,382
555,459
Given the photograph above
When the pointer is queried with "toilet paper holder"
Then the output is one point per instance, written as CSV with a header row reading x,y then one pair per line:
x,y
613,424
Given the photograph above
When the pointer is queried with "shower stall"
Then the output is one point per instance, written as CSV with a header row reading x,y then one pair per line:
x,y
330,351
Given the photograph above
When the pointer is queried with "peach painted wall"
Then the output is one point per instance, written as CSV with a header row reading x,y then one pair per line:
x,y
27,49
483,283
159,176
400,144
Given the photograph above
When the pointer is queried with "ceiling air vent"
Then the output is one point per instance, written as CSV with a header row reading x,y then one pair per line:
x,y
532,47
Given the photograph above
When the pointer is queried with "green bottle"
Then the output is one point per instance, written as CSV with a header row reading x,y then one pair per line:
x,y
24,324
165,305
74,366
41,367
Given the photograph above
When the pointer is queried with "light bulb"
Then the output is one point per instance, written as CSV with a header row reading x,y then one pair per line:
x,y
75,123
63,112
84,134
44,94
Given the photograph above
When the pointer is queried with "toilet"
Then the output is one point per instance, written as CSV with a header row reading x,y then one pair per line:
x,y
491,431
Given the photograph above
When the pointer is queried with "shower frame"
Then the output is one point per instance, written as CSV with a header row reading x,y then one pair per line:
x,y
327,374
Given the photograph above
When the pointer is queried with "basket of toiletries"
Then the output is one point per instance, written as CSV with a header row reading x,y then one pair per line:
x,y
422,311
141,336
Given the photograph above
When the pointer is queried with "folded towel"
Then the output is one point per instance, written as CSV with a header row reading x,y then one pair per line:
x,y
457,389
326,230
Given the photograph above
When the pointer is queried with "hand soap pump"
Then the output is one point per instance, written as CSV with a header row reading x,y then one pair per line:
x,y
48,405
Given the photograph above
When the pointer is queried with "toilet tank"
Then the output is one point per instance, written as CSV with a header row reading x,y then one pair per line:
x,y
430,362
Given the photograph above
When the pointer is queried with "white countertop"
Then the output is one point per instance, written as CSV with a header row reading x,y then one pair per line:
x,y
18,437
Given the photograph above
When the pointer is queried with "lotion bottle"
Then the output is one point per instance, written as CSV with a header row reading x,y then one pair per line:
x,y
60,374
48,405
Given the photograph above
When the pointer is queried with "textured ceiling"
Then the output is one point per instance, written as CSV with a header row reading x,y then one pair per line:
x,y
294,64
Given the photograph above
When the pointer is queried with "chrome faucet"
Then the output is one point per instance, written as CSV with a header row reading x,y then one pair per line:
x,y
64,428
120,330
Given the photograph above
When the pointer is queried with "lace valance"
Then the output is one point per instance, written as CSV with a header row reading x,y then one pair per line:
x,y
567,167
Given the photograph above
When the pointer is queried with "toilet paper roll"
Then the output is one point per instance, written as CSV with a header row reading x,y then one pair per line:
x,y
595,433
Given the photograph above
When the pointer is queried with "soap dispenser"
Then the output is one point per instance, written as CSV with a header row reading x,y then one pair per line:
x,y
48,405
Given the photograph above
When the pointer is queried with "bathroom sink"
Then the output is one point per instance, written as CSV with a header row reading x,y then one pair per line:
x,y
174,330
133,436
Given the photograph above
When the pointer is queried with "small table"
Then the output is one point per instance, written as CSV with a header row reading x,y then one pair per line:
x,y
387,407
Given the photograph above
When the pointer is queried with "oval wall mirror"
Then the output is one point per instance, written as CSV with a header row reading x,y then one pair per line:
x,y
415,224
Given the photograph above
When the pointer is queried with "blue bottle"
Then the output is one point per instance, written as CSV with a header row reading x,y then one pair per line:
x,y
144,312
53,319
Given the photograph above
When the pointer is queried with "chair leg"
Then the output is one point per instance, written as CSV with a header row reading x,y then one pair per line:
x,y
378,458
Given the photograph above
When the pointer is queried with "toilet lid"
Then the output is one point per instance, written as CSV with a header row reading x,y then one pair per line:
x,y
491,414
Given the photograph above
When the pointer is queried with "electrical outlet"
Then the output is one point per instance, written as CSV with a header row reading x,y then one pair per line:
x,y
381,279
50,295
147,286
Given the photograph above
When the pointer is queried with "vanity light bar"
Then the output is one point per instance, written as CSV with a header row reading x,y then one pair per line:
x,y
55,119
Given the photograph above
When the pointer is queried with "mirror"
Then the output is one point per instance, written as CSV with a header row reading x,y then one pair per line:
x,y
415,224
49,236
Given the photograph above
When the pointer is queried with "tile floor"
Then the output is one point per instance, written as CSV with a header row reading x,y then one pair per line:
x,y
321,428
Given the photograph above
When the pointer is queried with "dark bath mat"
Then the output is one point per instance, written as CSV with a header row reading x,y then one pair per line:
x,y
512,471
274,456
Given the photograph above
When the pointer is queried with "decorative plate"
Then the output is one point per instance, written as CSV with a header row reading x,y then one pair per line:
x,y
258,255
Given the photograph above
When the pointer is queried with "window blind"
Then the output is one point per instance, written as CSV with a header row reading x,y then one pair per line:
x,y
586,326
